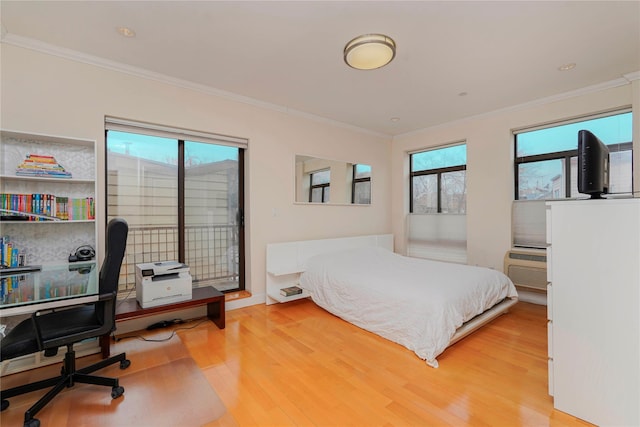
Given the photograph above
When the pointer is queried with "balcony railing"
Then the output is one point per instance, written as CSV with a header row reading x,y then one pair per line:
x,y
211,252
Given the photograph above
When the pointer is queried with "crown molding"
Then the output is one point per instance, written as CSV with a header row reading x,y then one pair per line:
x,y
73,55
622,81
632,76
46,48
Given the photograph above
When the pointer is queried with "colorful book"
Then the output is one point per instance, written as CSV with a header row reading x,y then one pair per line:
x,y
43,166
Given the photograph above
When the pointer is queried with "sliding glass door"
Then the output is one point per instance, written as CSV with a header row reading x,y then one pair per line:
x,y
183,201
212,213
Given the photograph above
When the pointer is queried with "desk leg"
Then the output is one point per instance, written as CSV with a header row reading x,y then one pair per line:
x,y
216,312
105,345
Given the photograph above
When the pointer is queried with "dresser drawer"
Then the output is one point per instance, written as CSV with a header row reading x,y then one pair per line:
x,y
549,264
549,301
550,377
550,339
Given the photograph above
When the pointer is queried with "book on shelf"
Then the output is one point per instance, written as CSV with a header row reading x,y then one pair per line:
x,y
9,253
290,291
45,207
42,166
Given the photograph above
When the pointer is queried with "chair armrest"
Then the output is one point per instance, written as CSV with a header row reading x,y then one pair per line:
x,y
36,327
106,296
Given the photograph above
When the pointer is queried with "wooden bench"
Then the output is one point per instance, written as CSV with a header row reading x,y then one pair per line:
x,y
130,309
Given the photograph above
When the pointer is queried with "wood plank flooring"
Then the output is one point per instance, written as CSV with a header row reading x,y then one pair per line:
x,y
295,364
162,386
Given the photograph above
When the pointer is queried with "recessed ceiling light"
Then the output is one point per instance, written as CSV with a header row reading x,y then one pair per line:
x,y
126,32
567,67
395,119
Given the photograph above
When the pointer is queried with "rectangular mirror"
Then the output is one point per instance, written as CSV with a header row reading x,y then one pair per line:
x,y
332,181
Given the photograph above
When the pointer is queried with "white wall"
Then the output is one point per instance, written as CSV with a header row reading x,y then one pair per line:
x,y
47,94
490,184
42,93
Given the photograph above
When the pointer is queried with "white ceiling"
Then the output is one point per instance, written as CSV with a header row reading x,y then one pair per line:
x,y
288,55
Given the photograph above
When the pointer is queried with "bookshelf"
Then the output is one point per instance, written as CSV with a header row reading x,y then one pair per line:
x,y
47,196
44,237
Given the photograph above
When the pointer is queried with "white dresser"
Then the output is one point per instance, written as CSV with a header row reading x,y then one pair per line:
x,y
594,309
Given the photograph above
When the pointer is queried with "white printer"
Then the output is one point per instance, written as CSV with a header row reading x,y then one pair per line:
x,y
159,283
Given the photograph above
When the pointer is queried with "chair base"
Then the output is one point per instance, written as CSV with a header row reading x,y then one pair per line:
x,y
68,377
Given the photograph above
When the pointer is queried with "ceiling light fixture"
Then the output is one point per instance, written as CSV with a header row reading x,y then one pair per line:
x,y
126,32
369,51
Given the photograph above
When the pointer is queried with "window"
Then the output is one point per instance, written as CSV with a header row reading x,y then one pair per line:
x,y
181,194
436,224
361,185
438,180
320,186
546,159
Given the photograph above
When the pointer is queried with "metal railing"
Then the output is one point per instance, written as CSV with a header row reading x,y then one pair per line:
x,y
211,251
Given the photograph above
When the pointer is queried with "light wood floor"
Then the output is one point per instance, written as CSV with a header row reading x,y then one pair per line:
x,y
295,364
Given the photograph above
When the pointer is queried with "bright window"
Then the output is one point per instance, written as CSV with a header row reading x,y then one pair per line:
x,y
320,186
182,200
438,180
361,191
546,159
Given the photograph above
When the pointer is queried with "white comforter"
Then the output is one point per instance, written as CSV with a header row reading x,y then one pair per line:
x,y
415,302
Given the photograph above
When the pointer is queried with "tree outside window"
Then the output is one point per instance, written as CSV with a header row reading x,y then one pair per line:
x,y
438,180
546,159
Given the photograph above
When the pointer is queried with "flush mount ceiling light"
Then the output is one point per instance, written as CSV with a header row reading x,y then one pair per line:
x,y
369,51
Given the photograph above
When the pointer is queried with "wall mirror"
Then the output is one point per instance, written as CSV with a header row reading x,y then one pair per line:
x,y
332,181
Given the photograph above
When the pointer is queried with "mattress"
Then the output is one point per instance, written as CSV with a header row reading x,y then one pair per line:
x,y
414,302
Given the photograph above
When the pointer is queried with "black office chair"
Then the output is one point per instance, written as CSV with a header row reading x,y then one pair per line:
x,y
48,330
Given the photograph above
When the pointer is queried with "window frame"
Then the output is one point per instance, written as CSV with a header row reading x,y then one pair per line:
x,y
436,171
564,155
322,186
181,137
355,181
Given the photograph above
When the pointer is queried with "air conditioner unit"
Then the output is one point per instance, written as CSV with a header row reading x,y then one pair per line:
x,y
527,269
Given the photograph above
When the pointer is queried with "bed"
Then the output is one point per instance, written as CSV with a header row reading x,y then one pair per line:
x,y
421,304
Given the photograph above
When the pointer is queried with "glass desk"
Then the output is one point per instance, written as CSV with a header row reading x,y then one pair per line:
x,y
26,291
48,286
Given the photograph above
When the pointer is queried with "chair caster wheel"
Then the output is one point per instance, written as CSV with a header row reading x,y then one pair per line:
x,y
33,422
117,392
5,404
125,364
